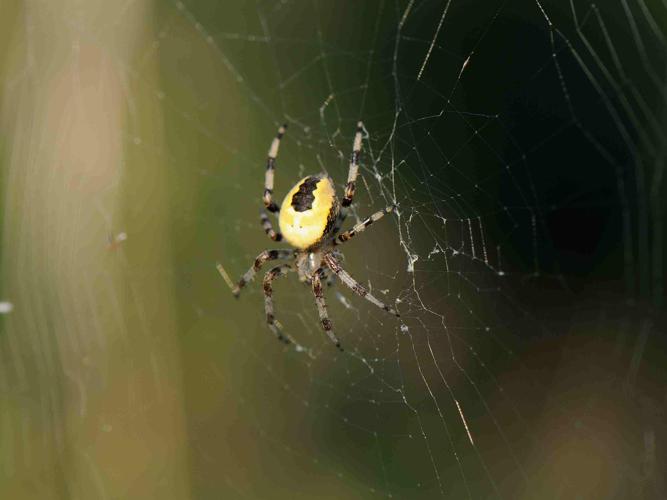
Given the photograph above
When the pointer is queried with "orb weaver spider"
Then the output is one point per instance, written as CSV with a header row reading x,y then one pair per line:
x,y
310,219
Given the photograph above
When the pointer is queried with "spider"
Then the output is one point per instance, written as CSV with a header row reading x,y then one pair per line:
x,y
310,219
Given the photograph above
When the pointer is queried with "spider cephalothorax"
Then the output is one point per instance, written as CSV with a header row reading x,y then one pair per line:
x,y
310,218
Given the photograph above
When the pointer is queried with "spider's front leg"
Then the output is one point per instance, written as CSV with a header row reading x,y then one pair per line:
x,y
269,277
261,259
322,308
354,285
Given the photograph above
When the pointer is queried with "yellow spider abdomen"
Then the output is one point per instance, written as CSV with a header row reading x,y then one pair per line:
x,y
308,212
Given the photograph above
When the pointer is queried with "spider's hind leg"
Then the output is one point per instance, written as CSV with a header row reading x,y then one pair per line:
x,y
270,170
271,321
352,174
268,227
354,167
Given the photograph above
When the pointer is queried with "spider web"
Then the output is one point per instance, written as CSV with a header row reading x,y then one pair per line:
x,y
523,143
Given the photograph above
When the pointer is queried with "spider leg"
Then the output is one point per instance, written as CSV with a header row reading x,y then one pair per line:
x,y
322,309
262,258
270,168
356,287
329,279
326,274
343,237
271,321
354,167
353,172
268,227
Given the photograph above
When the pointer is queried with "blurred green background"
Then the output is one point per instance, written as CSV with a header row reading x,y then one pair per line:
x,y
524,144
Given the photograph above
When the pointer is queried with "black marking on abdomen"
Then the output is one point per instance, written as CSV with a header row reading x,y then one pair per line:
x,y
304,197
332,217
